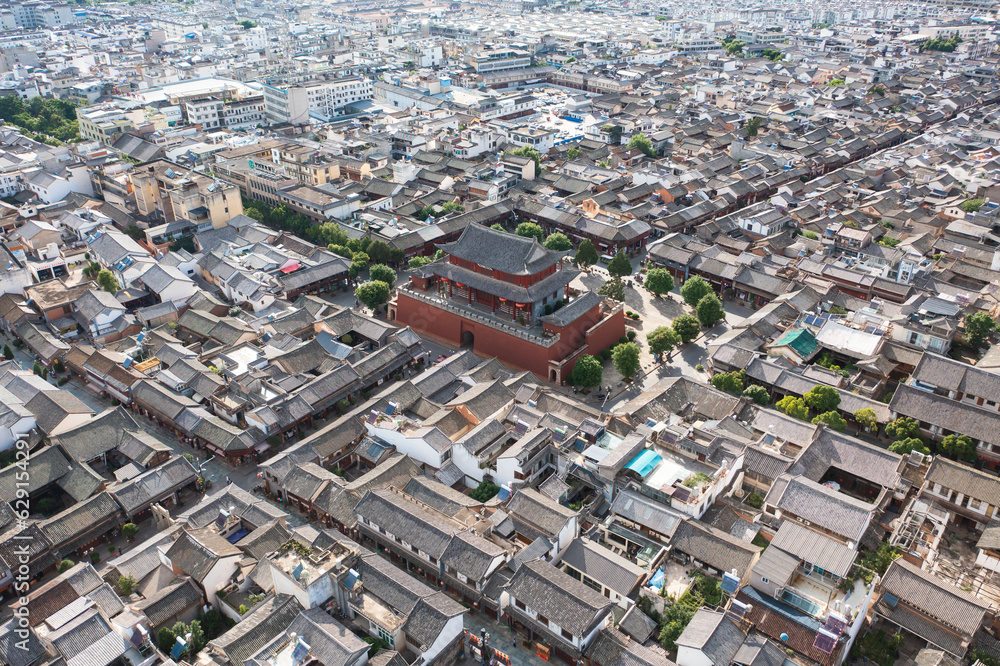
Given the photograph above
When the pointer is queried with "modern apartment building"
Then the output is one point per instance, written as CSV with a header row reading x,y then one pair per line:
x,y
168,192
294,103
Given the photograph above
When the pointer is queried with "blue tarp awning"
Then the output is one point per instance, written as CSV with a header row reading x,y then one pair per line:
x,y
237,535
644,463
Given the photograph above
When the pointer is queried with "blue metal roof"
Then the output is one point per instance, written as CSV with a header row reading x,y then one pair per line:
x,y
644,463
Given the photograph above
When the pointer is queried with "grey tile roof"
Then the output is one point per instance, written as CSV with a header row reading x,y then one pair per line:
x,y
408,521
170,601
964,479
637,624
538,511
929,594
428,618
197,551
17,650
501,251
644,511
720,550
814,548
834,449
603,565
565,601
714,634
757,650
91,517
471,555
101,434
247,638
153,484
952,416
821,505
613,648
47,465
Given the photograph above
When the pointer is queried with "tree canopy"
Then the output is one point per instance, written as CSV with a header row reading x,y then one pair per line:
x,y
588,371
904,446
626,358
822,398
373,293
106,279
832,419
382,273
40,118
662,340
613,289
903,427
795,407
586,254
694,290
710,310
642,143
659,281
730,382
758,394
687,326
958,447
558,242
530,230
620,266
978,326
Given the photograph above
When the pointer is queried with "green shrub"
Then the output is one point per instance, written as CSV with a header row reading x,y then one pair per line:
x,y
622,340
755,500
630,335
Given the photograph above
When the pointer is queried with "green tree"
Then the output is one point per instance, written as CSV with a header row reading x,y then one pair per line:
x,y
972,205
694,290
904,446
107,282
485,491
822,398
126,584
66,565
129,530
710,310
373,293
620,266
530,153
247,24
197,641
586,254
341,250
379,252
753,126
794,407
626,359
832,419
417,262
730,382
958,447
735,47
382,273
613,289
675,619
659,281
167,639
687,326
866,418
662,340
903,428
8,353
498,227
977,327
37,368
588,371
530,230
642,143
573,153
558,242
758,394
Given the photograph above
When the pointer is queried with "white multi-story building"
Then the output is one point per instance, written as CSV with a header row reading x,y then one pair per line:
x,y
326,99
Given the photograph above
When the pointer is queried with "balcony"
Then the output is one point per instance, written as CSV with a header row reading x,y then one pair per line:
x,y
532,334
818,594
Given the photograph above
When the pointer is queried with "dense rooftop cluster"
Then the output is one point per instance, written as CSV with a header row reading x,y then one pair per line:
x,y
615,335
